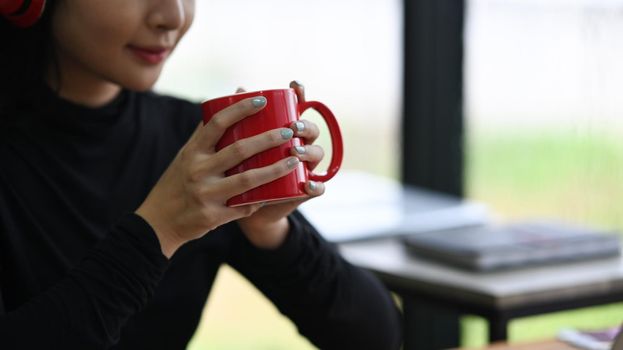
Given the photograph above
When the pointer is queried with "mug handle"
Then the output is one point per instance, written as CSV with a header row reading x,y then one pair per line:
x,y
337,151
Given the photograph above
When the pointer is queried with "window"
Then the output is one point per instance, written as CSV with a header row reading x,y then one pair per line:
x,y
347,53
543,108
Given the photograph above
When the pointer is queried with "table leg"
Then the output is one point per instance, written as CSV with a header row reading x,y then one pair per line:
x,y
429,326
498,328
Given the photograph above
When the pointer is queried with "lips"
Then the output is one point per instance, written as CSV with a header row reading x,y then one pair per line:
x,y
150,55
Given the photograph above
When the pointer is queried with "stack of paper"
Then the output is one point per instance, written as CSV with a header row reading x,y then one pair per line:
x,y
358,205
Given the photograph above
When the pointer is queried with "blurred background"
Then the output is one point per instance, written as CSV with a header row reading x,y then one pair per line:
x,y
542,103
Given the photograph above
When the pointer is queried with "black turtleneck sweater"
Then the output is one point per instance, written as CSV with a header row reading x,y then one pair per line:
x,y
78,270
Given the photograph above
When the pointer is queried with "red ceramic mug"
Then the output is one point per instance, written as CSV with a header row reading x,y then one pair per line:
x,y
282,109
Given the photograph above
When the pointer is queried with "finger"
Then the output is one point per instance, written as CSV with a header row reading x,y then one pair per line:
x,y
214,129
240,183
299,89
240,89
242,211
196,134
235,153
229,214
314,188
312,154
307,130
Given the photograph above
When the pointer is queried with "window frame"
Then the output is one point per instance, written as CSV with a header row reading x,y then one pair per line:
x,y
432,118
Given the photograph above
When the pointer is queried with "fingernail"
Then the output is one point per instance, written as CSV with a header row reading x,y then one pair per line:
x,y
292,163
258,101
287,134
313,186
300,126
300,149
298,83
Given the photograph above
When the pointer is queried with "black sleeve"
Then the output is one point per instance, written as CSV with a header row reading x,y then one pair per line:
x,y
334,304
88,308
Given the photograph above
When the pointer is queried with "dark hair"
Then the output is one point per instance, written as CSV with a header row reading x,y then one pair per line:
x,y
24,57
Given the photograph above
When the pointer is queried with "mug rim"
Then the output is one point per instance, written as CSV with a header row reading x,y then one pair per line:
x,y
257,92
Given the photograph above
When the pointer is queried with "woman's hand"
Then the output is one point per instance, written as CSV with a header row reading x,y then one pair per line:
x,y
189,199
267,227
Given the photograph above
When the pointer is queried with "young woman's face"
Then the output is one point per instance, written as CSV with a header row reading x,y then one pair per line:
x,y
124,42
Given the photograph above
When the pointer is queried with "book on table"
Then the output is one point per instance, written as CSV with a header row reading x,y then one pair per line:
x,y
602,339
526,243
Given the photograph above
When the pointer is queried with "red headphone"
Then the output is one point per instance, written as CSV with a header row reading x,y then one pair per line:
x,y
22,13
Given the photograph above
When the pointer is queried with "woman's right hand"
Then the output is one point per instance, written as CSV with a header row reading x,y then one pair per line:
x,y
189,199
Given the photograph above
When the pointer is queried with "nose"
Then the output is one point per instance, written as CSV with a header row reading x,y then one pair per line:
x,y
167,15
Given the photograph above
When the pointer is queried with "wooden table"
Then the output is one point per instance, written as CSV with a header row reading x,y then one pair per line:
x,y
435,296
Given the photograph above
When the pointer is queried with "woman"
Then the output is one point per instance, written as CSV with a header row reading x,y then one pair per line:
x,y
112,215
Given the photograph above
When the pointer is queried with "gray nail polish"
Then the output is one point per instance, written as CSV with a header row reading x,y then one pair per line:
x,y
259,101
292,163
298,83
300,126
313,186
300,149
287,134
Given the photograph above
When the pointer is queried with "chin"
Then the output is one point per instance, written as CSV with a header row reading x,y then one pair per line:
x,y
139,79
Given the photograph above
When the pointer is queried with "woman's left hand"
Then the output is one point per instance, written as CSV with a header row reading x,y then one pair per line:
x,y
268,227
